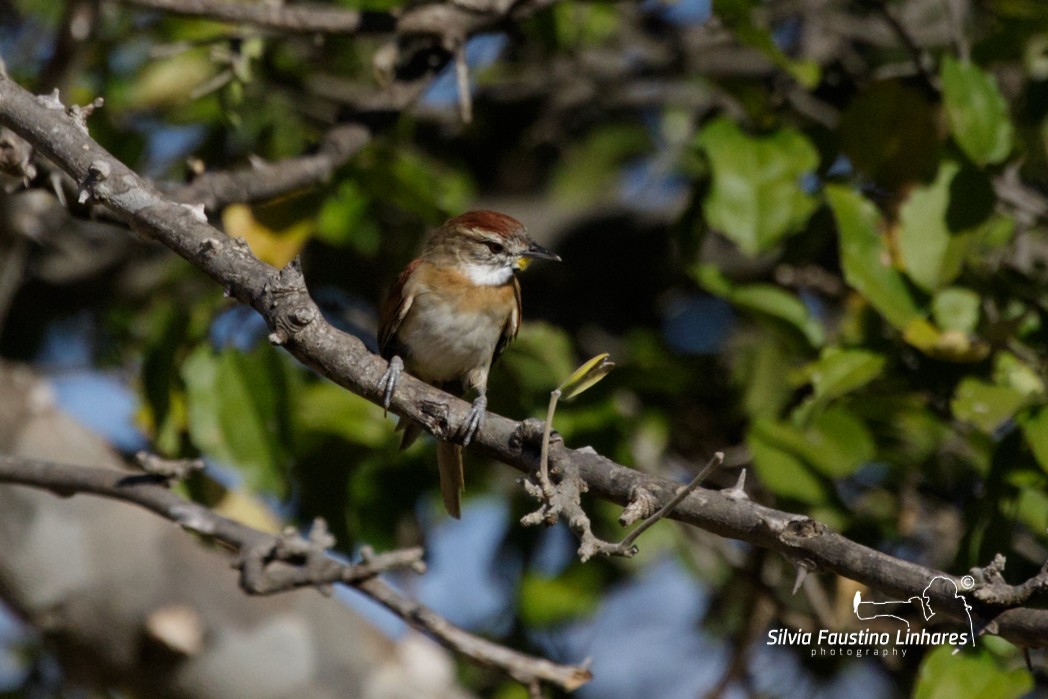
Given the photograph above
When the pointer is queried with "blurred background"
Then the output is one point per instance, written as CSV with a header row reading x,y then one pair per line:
x,y
810,234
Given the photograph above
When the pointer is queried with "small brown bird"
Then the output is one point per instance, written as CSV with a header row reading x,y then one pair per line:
x,y
450,314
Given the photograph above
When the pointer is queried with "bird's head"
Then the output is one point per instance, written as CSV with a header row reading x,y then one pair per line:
x,y
486,245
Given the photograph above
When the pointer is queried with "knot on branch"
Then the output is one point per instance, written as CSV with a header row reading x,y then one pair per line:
x,y
50,101
528,435
209,247
94,186
642,504
196,211
288,302
286,562
79,114
434,417
291,561
168,469
801,528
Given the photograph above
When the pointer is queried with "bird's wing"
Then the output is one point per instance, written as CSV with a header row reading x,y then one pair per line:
x,y
509,330
394,309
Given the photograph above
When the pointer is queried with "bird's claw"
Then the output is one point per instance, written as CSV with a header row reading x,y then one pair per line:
x,y
389,381
474,419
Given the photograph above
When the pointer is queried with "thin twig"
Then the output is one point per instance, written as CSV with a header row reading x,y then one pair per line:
x,y
526,669
716,460
465,96
547,430
960,41
915,51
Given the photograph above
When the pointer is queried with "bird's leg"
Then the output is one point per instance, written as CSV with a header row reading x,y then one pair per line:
x,y
389,381
474,419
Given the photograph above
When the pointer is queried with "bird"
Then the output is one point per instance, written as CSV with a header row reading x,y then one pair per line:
x,y
450,313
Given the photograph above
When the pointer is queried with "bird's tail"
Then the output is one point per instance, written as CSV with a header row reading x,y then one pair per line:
x,y
452,480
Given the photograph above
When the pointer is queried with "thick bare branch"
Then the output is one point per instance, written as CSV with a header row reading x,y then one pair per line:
x,y
150,493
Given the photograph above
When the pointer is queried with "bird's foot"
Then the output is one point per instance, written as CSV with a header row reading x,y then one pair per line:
x,y
474,419
389,381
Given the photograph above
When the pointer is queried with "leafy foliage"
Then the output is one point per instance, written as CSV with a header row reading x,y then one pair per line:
x,y
814,254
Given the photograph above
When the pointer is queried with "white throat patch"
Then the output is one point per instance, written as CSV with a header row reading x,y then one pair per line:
x,y
486,275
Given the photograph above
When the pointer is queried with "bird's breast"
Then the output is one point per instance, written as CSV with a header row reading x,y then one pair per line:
x,y
453,328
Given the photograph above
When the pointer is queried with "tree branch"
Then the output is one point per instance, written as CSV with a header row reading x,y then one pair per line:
x,y
303,18
280,296
258,550
996,590
263,181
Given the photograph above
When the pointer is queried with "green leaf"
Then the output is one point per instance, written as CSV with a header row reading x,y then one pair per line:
x,y
1031,505
169,81
1009,370
990,239
737,15
760,371
164,409
836,373
591,168
977,112
411,180
584,24
839,443
1034,425
956,308
586,375
865,258
237,405
541,355
764,300
835,444
907,430
948,345
890,133
779,470
935,223
343,220
756,198
944,675
326,409
841,371
985,405
546,601
787,457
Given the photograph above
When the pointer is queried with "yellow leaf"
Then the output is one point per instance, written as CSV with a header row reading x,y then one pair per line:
x,y
249,510
276,247
948,345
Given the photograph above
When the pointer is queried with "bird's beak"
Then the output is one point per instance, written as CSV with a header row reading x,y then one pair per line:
x,y
537,252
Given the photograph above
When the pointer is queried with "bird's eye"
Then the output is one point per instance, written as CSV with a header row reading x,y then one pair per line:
x,y
495,247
